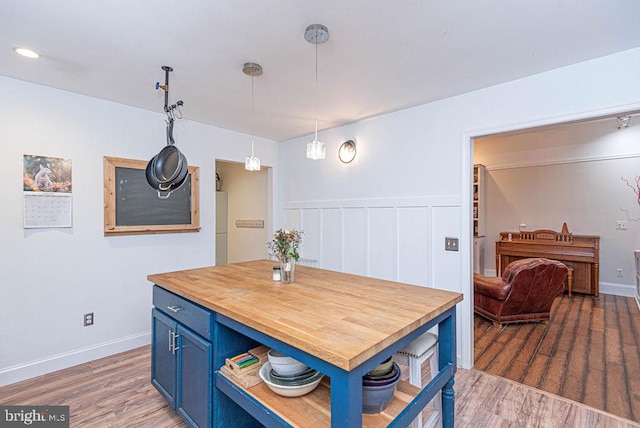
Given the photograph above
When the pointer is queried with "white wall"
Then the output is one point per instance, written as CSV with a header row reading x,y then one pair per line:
x,y
50,277
425,153
571,174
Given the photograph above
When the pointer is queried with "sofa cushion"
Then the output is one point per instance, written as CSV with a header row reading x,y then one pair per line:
x,y
492,287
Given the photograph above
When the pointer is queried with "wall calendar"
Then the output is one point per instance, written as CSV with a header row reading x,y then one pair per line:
x,y
47,192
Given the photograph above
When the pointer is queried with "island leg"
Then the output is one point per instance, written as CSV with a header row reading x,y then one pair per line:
x,y
346,399
448,359
448,404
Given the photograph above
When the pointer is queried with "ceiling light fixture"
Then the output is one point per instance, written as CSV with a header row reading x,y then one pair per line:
x,y
28,53
347,151
252,163
316,34
623,121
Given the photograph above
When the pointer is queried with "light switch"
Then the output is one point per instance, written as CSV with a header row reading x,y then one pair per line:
x,y
451,244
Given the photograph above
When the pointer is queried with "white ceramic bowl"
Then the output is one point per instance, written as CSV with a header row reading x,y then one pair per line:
x,y
287,391
285,365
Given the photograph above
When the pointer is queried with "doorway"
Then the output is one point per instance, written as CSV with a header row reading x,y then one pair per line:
x,y
242,212
554,359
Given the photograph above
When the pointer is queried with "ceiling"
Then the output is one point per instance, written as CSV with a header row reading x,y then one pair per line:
x,y
381,56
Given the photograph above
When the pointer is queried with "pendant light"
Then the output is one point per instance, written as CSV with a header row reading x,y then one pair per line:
x,y
252,163
316,34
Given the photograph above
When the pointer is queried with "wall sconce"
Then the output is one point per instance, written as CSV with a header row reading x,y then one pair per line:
x,y
347,151
623,121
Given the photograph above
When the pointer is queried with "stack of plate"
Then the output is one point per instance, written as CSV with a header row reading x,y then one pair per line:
x,y
379,386
290,385
287,376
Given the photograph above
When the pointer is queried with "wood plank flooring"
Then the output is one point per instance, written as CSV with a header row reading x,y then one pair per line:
x,y
116,392
589,352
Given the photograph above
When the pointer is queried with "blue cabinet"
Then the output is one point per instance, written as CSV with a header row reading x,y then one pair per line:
x,y
181,359
163,360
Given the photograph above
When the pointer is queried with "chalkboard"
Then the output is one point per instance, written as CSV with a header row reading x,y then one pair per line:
x,y
133,207
138,204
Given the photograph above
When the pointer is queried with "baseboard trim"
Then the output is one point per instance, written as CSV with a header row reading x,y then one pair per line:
x,y
53,363
624,290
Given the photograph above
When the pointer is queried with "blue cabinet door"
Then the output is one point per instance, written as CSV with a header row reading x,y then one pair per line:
x,y
195,380
163,359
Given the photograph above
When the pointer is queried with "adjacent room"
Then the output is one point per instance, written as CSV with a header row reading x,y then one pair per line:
x,y
210,188
581,175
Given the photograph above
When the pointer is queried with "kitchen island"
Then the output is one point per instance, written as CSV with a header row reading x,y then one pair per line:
x,y
341,324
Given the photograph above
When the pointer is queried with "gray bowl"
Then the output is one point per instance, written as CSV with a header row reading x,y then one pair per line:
x,y
376,398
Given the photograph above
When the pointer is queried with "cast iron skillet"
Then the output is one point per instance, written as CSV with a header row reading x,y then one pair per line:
x,y
166,187
167,170
151,179
168,163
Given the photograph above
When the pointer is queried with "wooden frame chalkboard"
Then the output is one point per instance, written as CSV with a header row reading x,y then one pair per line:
x,y
131,206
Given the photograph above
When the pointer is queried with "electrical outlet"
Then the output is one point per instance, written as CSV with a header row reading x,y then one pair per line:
x,y
451,244
88,319
621,225
619,273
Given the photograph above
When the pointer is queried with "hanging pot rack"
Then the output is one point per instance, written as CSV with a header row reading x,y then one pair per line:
x,y
168,170
173,111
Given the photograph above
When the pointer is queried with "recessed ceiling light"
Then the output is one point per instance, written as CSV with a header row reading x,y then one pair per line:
x,y
27,53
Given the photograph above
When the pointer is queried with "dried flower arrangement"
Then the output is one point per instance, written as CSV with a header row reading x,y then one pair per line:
x,y
285,244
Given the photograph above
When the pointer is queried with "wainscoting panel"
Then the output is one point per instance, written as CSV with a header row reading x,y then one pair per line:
x,y
382,242
446,223
395,239
413,243
292,219
354,242
311,239
331,239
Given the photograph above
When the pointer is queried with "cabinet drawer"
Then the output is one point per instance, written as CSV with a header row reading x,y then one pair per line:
x,y
191,315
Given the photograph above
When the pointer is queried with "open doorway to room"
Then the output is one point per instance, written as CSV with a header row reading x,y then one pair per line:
x,y
540,178
242,212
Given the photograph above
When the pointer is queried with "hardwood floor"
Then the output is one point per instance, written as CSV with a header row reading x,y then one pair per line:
x,y
110,392
116,392
589,352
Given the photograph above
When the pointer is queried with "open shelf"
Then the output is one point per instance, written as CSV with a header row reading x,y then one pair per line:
x,y
314,408
478,200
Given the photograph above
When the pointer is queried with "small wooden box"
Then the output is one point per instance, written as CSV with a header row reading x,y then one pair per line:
x,y
261,355
247,376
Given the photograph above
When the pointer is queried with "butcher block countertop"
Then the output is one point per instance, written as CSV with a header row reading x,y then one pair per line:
x,y
341,318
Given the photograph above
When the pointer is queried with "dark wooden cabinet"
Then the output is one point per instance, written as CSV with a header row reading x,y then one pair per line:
x,y
581,254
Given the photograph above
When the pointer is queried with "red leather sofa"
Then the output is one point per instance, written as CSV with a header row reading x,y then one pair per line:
x,y
525,292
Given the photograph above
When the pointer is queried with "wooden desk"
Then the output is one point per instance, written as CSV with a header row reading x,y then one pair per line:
x,y
341,324
581,254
